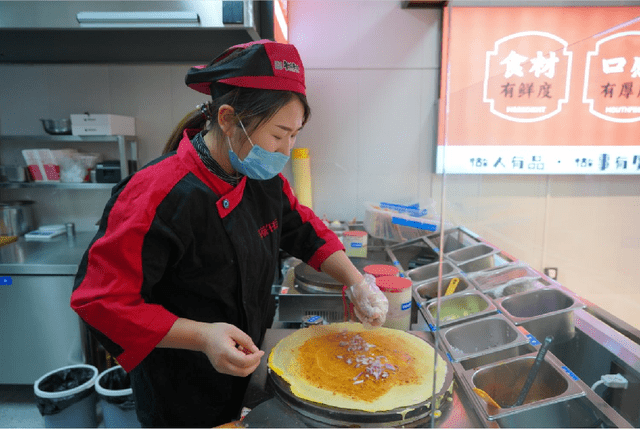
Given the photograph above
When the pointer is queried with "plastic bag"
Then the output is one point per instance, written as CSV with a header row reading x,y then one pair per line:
x,y
63,380
75,166
117,380
491,278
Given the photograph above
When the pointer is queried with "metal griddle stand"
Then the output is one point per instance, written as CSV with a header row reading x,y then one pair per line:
x,y
269,410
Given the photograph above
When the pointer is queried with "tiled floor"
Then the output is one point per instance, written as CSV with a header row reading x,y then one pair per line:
x,y
18,408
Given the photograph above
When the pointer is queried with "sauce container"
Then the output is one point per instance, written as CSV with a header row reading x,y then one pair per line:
x,y
398,292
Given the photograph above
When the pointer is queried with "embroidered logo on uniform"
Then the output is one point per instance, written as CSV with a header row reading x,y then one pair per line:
x,y
268,228
286,65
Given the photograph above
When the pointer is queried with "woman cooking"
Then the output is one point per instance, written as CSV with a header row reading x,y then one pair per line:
x,y
176,282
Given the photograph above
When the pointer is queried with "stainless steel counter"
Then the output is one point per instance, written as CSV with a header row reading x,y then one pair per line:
x,y
58,256
36,280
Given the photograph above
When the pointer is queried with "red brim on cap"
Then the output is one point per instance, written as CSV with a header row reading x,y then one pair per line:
x,y
265,82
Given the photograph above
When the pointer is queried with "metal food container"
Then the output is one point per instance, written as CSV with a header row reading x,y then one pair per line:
x,y
504,381
494,277
453,239
13,174
16,217
431,271
57,126
471,253
483,263
481,337
517,286
459,308
543,312
413,253
428,290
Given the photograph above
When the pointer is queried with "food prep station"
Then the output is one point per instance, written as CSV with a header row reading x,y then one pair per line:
x,y
490,330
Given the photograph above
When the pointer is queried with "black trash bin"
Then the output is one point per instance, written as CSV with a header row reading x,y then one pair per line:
x,y
66,397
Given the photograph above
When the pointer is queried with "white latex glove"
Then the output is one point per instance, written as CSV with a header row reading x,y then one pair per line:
x,y
370,304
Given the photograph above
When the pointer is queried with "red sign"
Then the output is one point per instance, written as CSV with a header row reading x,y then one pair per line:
x,y
541,77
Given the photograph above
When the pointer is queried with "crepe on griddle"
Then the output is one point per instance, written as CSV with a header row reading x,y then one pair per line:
x,y
346,366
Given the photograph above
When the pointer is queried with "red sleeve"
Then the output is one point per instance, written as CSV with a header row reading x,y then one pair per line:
x,y
107,295
328,240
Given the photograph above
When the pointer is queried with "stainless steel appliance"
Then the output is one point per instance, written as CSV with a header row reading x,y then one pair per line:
x,y
309,292
16,217
143,31
39,331
313,293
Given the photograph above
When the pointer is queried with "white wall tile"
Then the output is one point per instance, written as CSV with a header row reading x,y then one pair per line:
x,y
143,92
75,89
364,34
411,33
331,136
389,145
325,32
23,99
183,99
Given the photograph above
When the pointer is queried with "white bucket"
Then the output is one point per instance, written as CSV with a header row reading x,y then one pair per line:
x,y
398,293
77,404
118,408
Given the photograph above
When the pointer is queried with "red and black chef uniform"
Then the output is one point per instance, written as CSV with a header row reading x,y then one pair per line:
x,y
177,241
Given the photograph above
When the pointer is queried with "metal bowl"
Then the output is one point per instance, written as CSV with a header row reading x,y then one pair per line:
x,y
57,126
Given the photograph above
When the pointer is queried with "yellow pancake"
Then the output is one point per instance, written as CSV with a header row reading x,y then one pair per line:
x,y
347,366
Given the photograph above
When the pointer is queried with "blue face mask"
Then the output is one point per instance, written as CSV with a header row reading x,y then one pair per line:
x,y
259,163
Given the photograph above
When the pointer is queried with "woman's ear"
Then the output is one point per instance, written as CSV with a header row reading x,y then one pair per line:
x,y
226,119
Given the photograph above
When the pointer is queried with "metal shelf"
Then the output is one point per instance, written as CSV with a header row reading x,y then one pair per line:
x,y
59,185
121,140
66,138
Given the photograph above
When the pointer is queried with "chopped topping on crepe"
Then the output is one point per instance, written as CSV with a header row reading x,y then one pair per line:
x,y
346,366
376,367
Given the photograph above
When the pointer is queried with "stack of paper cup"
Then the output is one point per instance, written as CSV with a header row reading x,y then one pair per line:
x,y
398,293
302,176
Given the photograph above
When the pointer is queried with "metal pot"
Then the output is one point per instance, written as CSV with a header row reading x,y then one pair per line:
x,y
16,217
57,126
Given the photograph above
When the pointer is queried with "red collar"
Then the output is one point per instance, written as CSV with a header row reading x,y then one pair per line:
x,y
230,196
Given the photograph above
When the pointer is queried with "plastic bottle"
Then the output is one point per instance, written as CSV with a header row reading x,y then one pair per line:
x,y
302,176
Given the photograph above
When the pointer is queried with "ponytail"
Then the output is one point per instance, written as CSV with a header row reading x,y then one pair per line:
x,y
194,119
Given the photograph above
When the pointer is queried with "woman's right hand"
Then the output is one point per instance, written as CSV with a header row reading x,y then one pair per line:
x,y
229,349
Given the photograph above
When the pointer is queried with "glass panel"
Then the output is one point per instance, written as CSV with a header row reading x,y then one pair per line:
x,y
537,150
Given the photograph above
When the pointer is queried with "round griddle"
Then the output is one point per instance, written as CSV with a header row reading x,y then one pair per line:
x,y
312,281
328,415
